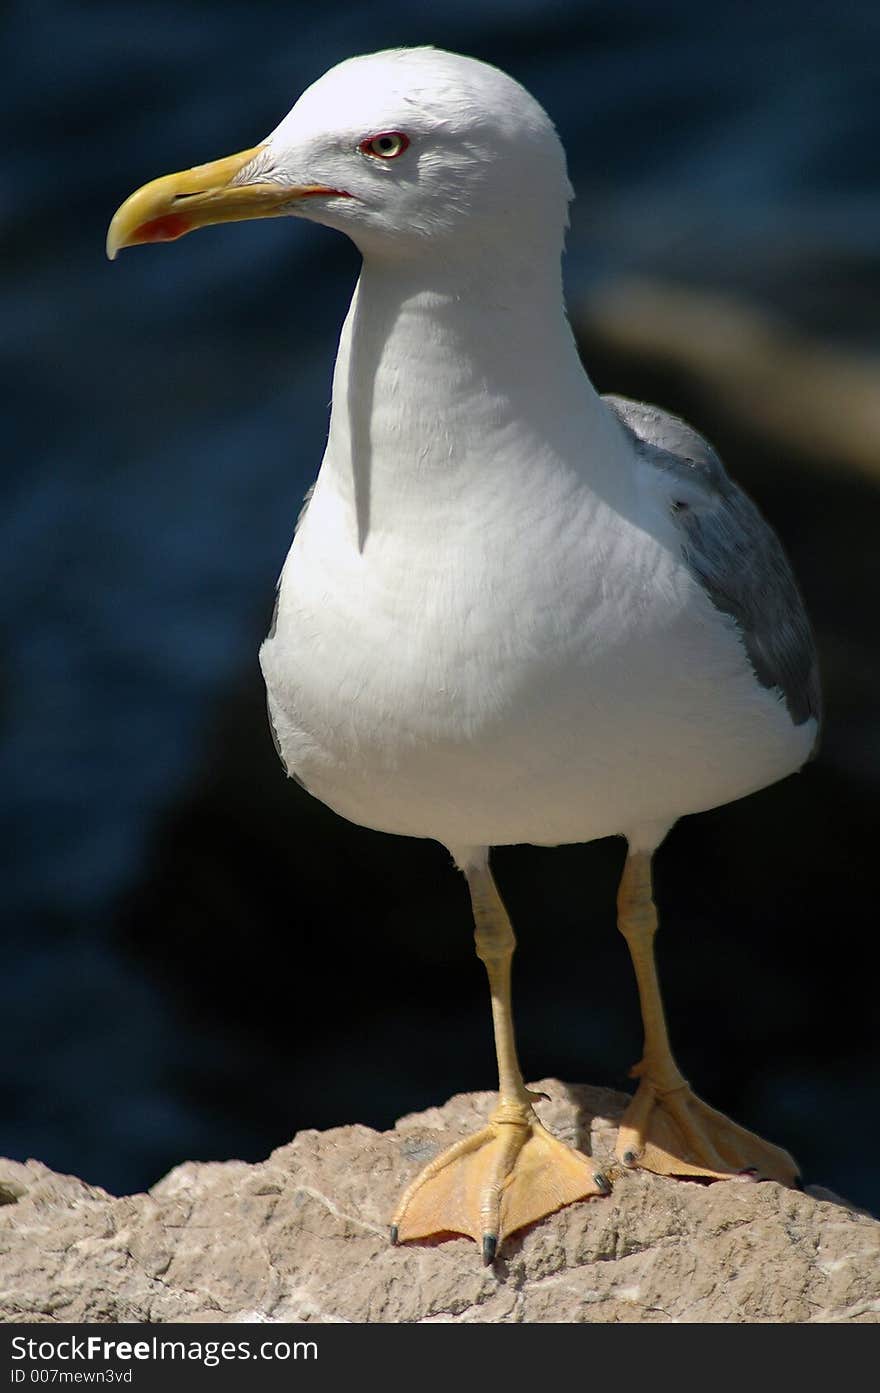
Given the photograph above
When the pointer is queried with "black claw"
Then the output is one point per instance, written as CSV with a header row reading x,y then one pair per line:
x,y
490,1247
629,1158
603,1182
392,1234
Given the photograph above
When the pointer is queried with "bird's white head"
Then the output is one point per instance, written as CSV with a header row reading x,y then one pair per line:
x,y
403,150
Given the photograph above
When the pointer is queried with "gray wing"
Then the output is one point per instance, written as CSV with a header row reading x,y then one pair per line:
x,y
734,554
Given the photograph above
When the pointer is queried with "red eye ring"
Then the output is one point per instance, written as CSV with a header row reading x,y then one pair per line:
x,y
387,145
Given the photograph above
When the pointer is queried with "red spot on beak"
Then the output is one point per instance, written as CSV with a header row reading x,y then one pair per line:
x,y
165,229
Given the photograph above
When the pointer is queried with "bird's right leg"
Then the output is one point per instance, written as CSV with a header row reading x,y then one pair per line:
x,y
513,1171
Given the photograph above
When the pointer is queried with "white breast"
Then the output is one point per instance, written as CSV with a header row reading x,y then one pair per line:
x,y
485,631
541,673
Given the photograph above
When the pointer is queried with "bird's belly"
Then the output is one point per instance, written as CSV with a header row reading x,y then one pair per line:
x,y
410,712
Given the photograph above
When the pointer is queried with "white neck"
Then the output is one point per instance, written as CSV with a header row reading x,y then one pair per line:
x,y
440,368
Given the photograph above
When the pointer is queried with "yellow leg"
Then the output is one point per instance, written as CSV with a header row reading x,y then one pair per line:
x,y
512,1172
666,1128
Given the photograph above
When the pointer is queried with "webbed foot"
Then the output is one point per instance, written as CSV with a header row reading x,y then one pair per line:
x,y
509,1174
673,1132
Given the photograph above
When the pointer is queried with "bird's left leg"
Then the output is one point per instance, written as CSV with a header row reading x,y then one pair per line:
x,y
667,1128
513,1171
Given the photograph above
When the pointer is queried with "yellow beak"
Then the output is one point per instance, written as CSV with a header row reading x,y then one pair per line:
x,y
169,207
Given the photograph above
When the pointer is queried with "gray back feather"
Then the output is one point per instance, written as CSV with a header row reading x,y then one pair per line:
x,y
734,554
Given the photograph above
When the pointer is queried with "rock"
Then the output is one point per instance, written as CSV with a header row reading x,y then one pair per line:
x,y
303,1236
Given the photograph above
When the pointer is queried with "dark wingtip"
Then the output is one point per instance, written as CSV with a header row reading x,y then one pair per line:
x,y
490,1248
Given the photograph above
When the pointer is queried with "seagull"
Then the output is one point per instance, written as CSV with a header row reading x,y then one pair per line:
x,y
513,610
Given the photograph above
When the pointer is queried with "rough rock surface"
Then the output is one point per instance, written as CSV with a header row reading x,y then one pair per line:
x,y
303,1236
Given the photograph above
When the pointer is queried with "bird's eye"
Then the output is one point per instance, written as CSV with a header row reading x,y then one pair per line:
x,y
386,146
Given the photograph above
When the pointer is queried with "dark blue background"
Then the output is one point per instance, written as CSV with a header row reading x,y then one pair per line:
x,y
200,959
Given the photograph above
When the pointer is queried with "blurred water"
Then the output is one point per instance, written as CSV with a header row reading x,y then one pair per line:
x,y
165,415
